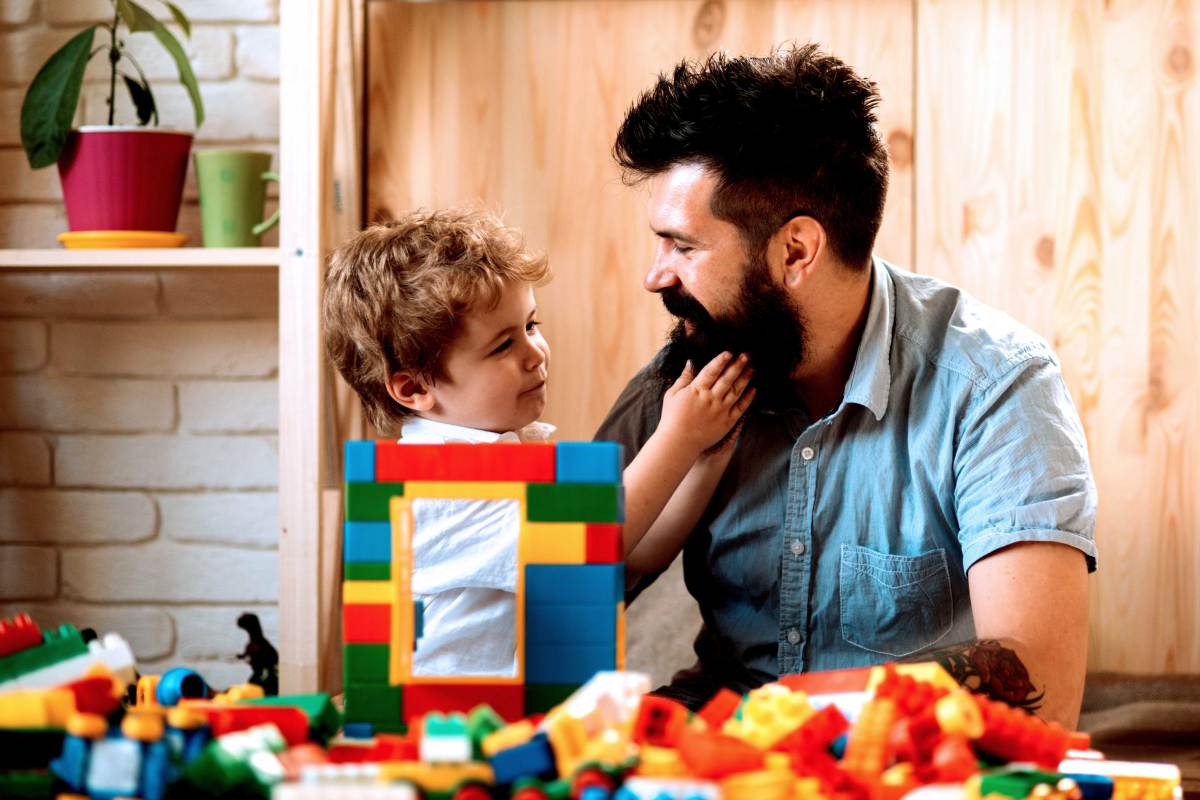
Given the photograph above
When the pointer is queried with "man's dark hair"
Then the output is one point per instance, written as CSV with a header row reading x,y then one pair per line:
x,y
789,134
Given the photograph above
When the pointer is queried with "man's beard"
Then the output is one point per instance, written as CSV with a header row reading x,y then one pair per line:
x,y
764,323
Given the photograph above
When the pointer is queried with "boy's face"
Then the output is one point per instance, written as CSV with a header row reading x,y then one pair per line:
x,y
495,371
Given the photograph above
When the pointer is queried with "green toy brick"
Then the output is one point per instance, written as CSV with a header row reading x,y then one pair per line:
x,y
366,571
57,645
366,664
1016,783
378,705
541,697
31,785
368,502
481,723
575,502
324,720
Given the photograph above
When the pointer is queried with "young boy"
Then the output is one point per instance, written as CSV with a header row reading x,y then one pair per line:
x,y
432,320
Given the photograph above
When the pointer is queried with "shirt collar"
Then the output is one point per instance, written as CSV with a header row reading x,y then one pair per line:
x,y
418,430
871,379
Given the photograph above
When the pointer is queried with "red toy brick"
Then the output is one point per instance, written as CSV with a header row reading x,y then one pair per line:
x,y
817,733
507,700
659,722
604,543
94,695
364,623
833,681
291,721
525,462
1017,735
719,708
18,633
714,755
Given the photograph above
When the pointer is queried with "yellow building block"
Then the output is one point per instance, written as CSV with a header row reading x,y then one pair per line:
x,y
466,490
509,736
925,671
554,543
36,708
367,592
769,713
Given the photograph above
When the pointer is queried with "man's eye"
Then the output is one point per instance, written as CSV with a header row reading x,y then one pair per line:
x,y
682,248
507,343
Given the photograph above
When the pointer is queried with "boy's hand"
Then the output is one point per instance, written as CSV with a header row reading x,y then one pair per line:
x,y
698,410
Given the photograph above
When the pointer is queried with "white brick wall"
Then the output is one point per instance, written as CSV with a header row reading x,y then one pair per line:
x,y
138,411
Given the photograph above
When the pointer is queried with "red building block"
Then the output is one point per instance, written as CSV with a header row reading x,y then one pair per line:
x,y
719,708
507,700
531,462
367,623
816,734
604,543
659,722
291,721
18,633
1017,735
714,755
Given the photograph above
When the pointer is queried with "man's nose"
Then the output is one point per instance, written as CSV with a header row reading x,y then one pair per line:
x,y
659,277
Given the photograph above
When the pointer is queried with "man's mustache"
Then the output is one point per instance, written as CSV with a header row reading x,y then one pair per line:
x,y
684,306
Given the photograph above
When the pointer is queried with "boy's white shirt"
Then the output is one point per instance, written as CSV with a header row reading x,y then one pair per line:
x,y
462,570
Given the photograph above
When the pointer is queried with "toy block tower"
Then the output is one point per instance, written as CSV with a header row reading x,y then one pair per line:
x,y
570,582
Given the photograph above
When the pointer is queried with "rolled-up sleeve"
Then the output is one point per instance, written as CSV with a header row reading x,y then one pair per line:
x,y
1021,465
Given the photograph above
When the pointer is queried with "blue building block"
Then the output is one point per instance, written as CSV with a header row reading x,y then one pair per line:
x,y
358,730
529,760
359,462
588,462
574,584
367,542
1094,787
567,663
570,624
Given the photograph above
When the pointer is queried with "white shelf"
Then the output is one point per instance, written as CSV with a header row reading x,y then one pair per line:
x,y
141,258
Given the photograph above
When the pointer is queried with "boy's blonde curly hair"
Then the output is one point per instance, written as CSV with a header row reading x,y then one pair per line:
x,y
395,296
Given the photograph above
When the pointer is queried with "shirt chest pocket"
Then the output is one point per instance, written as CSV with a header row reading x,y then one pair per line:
x,y
894,605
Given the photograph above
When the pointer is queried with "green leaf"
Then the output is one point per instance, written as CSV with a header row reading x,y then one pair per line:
x,y
139,19
51,100
180,18
143,100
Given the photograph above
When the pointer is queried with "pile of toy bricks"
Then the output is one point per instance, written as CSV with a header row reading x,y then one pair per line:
x,y
570,552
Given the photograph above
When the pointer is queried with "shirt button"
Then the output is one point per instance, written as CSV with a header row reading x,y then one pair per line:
x,y
797,547
793,636
807,454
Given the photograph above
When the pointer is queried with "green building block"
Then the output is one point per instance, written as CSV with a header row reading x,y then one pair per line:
x,y
575,502
541,697
57,645
378,705
481,723
31,785
368,502
324,720
1016,783
366,664
359,571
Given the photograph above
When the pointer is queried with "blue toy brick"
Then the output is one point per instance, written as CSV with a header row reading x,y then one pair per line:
x,y
588,462
360,462
534,759
1094,787
368,542
358,730
570,624
574,584
571,663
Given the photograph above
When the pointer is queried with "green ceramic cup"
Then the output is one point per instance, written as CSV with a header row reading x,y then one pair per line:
x,y
233,194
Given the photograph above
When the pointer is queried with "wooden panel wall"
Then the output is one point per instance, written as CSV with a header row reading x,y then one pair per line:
x,y
516,105
1055,176
1058,179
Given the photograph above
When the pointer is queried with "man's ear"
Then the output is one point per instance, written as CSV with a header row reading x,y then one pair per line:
x,y
795,248
410,391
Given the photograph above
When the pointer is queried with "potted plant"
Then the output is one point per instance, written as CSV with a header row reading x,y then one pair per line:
x,y
114,178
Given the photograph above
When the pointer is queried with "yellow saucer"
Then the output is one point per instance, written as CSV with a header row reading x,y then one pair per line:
x,y
97,240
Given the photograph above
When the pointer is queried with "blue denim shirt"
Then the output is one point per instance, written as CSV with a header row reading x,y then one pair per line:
x,y
845,541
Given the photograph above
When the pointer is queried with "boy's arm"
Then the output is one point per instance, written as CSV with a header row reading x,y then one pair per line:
x,y
697,413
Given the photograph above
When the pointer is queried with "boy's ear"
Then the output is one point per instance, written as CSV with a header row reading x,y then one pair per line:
x,y
410,391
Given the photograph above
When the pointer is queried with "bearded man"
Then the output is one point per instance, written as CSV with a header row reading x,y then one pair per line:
x,y
912,480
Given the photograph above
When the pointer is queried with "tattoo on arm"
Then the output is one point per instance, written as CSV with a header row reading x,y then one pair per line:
x,y
988,667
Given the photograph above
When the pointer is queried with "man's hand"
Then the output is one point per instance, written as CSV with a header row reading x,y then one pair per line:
x,y
699,410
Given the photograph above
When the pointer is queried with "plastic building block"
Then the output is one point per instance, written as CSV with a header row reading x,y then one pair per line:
x,y
867,750
525,462
367,592
366,571
358,730
574,584
57,645
541,697
660,721
344,791
575,502
323,717
482,722
531,759
589,462
719,708
506,737
179,683
444,738
368,502
506,699
18,633
238,764
605,543
554,543
366,624
769,713
1016,735
817,733
643,788
110,653
367,542
382,706
570,624
359,460
574,663
1016,783
365,663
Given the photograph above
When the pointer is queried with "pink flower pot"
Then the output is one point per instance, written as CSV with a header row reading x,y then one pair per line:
x,y
123,178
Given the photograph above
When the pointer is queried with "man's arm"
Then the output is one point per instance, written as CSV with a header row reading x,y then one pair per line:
x,y
1030,602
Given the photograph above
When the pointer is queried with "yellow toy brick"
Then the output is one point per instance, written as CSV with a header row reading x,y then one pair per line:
x,y
930,672
554,543
367,592
36,708
867,748
509,736
770,713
